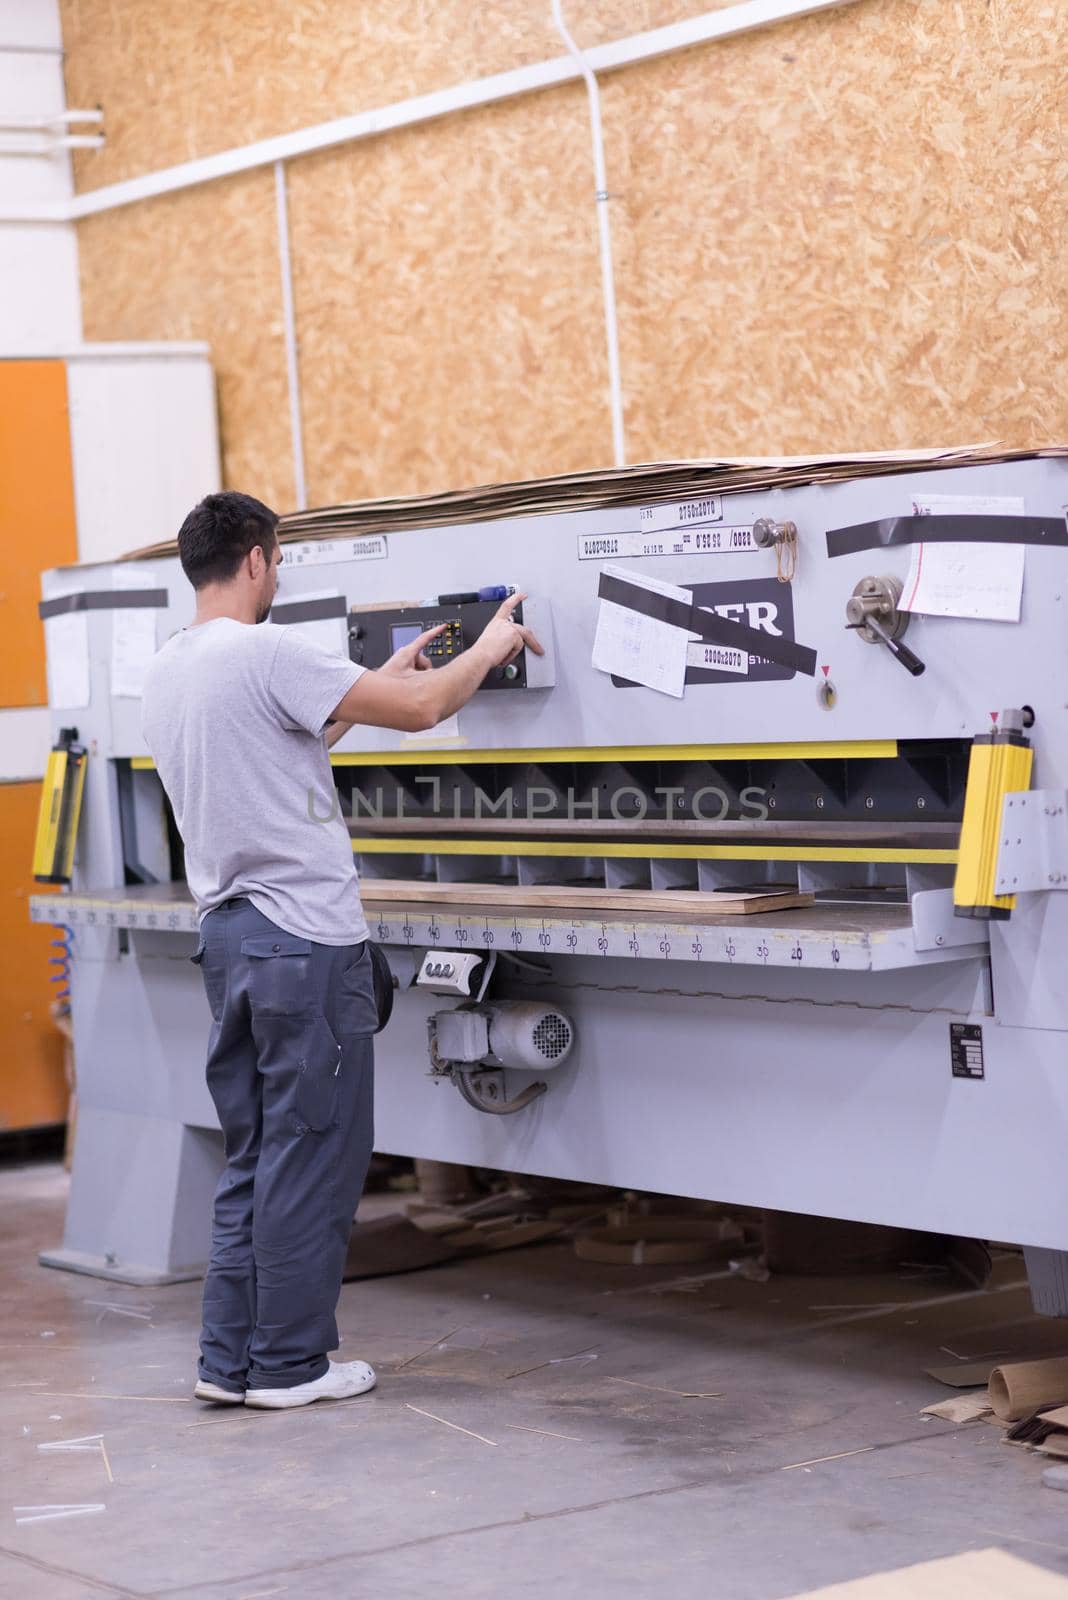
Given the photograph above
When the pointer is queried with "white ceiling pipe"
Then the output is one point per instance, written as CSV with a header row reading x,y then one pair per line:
x,y
13,145
703,29
44,123
604,231
296,425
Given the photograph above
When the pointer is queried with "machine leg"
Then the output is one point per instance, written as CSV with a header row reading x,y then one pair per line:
x,y
1047,1275
140,1199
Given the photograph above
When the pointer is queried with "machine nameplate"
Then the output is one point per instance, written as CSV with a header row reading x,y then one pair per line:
x,y
966,1049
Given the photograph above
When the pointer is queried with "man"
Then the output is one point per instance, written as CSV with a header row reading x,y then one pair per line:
x,y
239,719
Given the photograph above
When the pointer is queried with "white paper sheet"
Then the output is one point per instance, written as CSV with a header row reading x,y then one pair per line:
x,y
67,647
640,648
133,634
965,580
967,505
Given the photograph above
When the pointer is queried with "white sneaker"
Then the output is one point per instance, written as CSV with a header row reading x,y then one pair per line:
x,y
340,1381
223,1397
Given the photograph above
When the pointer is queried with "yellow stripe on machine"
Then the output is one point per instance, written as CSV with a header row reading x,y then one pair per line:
x,y
857,749
849,749
686,852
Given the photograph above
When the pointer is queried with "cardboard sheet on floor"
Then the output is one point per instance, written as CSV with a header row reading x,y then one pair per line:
x,y
979,1574
960,1407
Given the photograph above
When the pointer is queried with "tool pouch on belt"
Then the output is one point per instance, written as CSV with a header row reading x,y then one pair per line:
x,y
383,981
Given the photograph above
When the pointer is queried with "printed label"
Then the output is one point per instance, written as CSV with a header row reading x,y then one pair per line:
x,y
717,657
372,547
721,541
682,514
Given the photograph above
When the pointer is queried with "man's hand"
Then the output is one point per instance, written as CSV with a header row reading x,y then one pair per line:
x,y
410,658
503,639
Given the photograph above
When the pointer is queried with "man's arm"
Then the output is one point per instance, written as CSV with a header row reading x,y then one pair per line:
x,y
406,696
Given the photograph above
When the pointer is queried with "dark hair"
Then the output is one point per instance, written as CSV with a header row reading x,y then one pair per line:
x,y
218,534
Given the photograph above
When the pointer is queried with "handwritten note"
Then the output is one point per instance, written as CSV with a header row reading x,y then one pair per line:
x,y
965,580
643,649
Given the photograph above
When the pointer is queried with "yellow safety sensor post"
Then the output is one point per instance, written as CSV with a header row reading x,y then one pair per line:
x,y
999,764
61,807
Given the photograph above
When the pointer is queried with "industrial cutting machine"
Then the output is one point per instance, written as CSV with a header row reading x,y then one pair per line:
x,y
752,888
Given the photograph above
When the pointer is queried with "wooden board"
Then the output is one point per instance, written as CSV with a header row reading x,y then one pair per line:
x,y
976,1574
689,903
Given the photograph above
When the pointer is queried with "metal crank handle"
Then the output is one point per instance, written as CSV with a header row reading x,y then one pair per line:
x,y
901,652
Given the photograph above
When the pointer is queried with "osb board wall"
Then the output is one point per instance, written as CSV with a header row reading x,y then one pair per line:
x,y
183,81
839,233
203,264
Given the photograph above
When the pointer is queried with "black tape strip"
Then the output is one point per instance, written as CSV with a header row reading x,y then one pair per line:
x,y
104,600
946,530
334,605
717,630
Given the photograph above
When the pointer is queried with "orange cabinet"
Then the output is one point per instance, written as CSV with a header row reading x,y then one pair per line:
x,y
37,524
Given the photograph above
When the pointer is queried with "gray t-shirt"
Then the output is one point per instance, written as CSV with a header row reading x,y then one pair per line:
x,y
234,714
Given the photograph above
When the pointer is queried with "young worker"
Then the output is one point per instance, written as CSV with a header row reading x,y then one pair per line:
x,y
239,719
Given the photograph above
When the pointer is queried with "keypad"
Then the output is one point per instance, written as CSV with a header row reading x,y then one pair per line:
x,y
447,645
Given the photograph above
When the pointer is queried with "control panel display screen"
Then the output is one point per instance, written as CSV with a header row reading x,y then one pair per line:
x,y
403,633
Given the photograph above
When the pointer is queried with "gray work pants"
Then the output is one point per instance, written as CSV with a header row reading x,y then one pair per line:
x,y
290,1069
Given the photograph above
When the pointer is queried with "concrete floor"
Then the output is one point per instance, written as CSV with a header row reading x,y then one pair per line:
x,y
596,1461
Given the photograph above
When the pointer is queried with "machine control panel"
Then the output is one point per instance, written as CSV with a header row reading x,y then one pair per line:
x,y
375,635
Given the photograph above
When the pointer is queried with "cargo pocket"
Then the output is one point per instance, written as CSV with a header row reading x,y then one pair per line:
x,y
356,1007
318,1080
214,980
278,980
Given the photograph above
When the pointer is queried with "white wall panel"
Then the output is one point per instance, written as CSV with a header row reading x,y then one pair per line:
x,y
25,737
145,444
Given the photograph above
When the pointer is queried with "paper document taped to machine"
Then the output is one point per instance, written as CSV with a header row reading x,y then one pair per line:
x,y
965,580
133,636
643,649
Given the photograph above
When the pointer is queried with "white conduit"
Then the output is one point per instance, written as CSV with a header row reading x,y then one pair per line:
x,y
296,426
703,29
604,229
